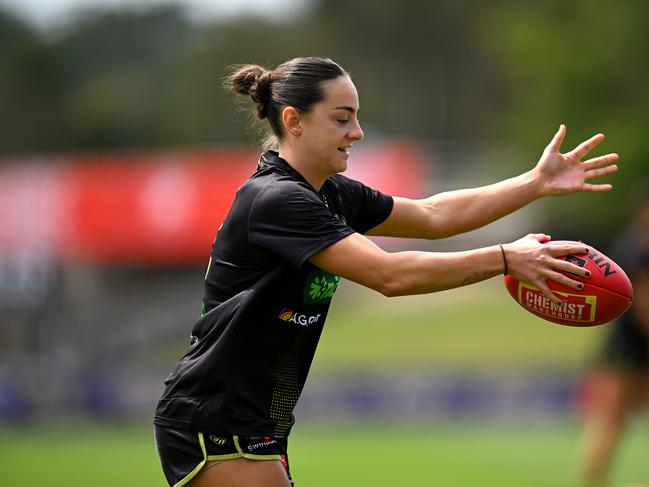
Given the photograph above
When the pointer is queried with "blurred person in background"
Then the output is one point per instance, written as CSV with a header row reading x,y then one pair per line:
x,y
618,385
296,226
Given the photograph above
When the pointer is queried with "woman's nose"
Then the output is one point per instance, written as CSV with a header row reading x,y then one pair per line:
x,y
357,132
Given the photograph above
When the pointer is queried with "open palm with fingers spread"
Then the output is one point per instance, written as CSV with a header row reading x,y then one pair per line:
x,y
567,173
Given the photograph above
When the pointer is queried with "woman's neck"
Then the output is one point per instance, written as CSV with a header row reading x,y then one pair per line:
x,y
301,163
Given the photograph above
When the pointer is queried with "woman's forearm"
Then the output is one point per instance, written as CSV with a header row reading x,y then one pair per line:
x,y
407,273
410,272
460,211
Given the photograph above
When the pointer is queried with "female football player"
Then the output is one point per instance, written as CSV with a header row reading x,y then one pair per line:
x,y
618,385
295,228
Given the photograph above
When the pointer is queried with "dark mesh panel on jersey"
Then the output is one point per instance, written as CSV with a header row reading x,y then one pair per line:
x,y
285,395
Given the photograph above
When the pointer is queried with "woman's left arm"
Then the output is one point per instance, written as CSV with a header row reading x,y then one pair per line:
x,y
454,212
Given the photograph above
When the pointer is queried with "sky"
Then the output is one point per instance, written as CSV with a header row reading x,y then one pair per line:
x,y
49,13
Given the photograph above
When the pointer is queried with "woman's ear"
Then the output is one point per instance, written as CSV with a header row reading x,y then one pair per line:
x,y
291,121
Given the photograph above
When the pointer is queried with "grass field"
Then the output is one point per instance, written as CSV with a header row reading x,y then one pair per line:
x,y
479,326
503,455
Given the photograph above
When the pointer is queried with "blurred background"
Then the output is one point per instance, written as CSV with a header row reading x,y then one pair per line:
x,y
120,154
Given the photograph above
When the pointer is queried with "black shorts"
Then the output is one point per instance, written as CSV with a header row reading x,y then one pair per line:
x,y
184,453
626,346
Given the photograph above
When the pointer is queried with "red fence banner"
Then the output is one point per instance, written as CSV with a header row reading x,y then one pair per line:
x,y
158,208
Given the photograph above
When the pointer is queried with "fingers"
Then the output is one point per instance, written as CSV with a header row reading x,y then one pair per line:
x,y
596,188
598,173
599,161
585,147
557,266
557,276
575,270
593,169
567,249
540,264
545,289
557,140
558,270
561,279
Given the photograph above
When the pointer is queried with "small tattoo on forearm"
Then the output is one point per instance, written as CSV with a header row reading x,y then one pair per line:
x,y
475,277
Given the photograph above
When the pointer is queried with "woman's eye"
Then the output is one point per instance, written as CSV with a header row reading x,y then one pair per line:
x,y
342,122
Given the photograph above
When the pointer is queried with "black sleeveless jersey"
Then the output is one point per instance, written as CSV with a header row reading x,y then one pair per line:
x,y
265,304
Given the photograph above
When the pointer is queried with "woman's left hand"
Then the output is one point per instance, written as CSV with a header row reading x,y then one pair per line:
x,y
566,173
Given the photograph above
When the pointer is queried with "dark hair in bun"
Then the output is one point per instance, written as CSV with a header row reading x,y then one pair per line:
x,y
254,81
296,83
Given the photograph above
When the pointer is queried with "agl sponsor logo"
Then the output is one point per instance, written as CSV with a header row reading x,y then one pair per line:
x,y
299,319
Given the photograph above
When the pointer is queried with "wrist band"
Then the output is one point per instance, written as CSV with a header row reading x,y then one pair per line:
x,y
504,259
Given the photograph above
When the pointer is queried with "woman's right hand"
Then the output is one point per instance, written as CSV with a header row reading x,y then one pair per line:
x,y
532,259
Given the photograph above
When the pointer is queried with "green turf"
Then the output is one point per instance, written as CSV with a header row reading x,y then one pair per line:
x,y
326,455
476,326
467,455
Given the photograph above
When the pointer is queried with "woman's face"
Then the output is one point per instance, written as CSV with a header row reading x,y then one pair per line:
x,y
331,127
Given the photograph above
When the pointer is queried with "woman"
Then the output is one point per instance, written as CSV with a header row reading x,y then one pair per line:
x,y
296,226
618,385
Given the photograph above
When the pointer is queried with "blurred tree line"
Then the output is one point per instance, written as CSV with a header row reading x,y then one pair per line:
x,y
450,72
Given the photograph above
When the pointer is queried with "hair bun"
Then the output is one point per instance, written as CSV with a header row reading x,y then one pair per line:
x,y
260,93
255,81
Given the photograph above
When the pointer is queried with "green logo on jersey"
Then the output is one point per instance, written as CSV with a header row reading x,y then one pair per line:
x,y
320,287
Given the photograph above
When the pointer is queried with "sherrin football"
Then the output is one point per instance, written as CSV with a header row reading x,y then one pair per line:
x,y
606,294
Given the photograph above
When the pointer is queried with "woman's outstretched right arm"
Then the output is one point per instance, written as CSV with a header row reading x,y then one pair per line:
x,y
413,272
